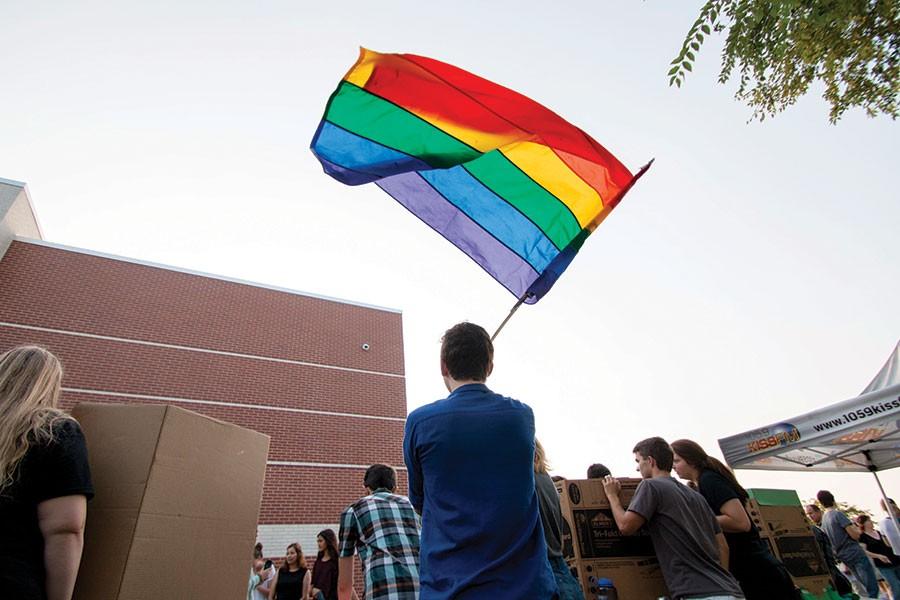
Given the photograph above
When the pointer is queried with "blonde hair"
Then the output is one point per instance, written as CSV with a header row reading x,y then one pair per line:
x,y
540,458
30,381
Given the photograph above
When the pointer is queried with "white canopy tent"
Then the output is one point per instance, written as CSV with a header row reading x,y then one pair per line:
x,y
861,434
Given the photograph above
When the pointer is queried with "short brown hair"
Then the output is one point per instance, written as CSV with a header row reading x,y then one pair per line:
x,y
467,352
380,477
825,498
658,449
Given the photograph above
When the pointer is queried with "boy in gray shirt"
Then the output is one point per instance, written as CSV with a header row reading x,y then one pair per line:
x,y
843,536
688,540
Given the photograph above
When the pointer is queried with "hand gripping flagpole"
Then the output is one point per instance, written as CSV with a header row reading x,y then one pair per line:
x,y
511,313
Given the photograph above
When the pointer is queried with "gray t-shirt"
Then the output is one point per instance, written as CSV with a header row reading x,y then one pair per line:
x,y
847,550
551,517
683,529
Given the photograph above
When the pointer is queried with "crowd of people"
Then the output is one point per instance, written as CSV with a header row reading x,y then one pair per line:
x,y
864,550
482,518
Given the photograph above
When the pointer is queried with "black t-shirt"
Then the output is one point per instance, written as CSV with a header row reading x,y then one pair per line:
x,y
717,491
59,468
879,547
290,584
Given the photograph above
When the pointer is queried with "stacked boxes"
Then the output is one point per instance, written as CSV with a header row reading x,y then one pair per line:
x,y
593,546
779,516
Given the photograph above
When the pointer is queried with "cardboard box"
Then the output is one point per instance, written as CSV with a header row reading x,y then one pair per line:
x,y
635,579
779,520
802,557
593,545
589,530
176,505
783,525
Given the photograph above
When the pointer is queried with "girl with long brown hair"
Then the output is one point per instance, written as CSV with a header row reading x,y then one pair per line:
x,y
44,480
760,574
325,570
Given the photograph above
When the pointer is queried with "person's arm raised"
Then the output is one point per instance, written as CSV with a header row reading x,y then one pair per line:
x,y
61,521
628,522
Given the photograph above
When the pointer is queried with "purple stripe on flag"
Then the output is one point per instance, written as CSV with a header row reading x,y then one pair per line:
x,y
413,192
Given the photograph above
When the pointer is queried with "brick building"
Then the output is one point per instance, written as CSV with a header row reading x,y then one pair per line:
x,y
323,377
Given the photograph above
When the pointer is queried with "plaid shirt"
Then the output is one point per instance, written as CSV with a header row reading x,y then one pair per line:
x,y
383,528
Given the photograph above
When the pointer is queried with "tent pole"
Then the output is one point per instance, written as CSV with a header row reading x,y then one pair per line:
x,y
887,503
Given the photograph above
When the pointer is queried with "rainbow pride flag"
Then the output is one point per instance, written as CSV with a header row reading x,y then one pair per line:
x,y
507,181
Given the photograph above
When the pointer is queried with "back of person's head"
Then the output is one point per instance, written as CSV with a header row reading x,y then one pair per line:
x,y
597,471
861,520
540,458
30,381
467,352
257,550
693,454
330,540
825,498
380,476
884,506
657,449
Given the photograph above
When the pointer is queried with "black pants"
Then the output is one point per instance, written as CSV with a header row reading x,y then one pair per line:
x,y
762,576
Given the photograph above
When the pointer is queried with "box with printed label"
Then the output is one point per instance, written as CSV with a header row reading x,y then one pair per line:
x,y
594,547
779,520
783,525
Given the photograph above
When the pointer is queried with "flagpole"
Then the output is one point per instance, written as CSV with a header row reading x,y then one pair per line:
x,y
511,313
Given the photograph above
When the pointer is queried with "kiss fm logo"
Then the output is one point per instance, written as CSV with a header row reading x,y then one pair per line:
x,y
776,436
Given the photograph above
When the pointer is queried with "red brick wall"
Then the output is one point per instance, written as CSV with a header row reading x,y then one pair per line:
x,y
82,292
72,292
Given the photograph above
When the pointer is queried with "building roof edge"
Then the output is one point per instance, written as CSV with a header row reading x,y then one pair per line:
x,y
186,271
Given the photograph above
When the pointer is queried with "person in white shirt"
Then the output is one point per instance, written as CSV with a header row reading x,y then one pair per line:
x,y
889,527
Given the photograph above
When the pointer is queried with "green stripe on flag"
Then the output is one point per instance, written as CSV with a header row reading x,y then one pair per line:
x,y
509,182
369,116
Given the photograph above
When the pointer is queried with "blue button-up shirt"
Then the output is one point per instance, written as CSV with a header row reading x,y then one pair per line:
x,y
470,461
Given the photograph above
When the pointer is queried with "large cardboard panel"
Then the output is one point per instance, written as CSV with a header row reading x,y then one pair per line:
x,y
635,579
196,515
121,442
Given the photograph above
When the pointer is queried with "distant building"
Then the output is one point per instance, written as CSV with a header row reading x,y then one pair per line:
x,y
323,377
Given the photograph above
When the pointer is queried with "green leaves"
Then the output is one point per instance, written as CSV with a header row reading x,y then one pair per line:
x,y
684,62
778,48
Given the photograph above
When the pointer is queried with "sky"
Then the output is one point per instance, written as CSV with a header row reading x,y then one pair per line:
x,y
751,275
